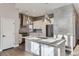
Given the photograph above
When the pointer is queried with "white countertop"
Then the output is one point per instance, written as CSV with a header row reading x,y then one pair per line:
x,y
47,41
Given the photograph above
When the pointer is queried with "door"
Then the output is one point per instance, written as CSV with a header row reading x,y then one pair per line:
x,y
7,32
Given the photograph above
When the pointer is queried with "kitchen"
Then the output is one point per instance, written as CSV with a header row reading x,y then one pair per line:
x,y
37,40
43,32
49,32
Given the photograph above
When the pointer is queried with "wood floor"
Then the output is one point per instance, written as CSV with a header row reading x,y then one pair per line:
x,y
76,50
18,51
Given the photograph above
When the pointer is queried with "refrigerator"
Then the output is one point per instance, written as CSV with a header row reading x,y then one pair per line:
x,y
49,30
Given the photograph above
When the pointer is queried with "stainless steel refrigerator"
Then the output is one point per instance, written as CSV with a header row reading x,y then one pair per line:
x,y
49,30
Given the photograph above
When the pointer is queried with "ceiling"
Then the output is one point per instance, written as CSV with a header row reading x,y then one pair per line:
x,y
38,9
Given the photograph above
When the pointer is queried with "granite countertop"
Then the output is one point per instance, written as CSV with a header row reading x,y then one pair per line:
x,y
47,40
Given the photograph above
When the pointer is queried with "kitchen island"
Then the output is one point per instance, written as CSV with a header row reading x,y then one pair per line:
x,y
45,46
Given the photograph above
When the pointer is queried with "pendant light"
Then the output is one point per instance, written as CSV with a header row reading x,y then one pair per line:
x,y
29,20
46,18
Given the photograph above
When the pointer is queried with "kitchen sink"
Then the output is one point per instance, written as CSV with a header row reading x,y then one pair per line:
x,y
43,37
34,38
48,40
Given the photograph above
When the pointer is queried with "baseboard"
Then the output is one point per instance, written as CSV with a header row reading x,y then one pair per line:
x,y
1,50
16,45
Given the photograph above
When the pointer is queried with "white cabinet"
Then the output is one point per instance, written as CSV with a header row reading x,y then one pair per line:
x,y
27,45
7,33
35,48
47,50
42,49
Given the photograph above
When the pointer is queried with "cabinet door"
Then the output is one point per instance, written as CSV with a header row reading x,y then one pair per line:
x,y
47,50
27,45
35,48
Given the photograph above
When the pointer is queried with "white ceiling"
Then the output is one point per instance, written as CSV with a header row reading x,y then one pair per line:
x,y
38,9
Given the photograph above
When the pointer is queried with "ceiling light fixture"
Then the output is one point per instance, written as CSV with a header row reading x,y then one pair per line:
x,y
29,20
46,18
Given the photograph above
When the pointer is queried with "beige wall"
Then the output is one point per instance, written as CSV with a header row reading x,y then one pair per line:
x,y
9,10
76,17
64,23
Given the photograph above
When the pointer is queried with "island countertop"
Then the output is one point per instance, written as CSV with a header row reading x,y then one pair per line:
x,y
47,40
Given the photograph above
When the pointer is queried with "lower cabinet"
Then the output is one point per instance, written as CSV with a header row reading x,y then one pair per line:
x,y
35,48
27,45
44,50
47,50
